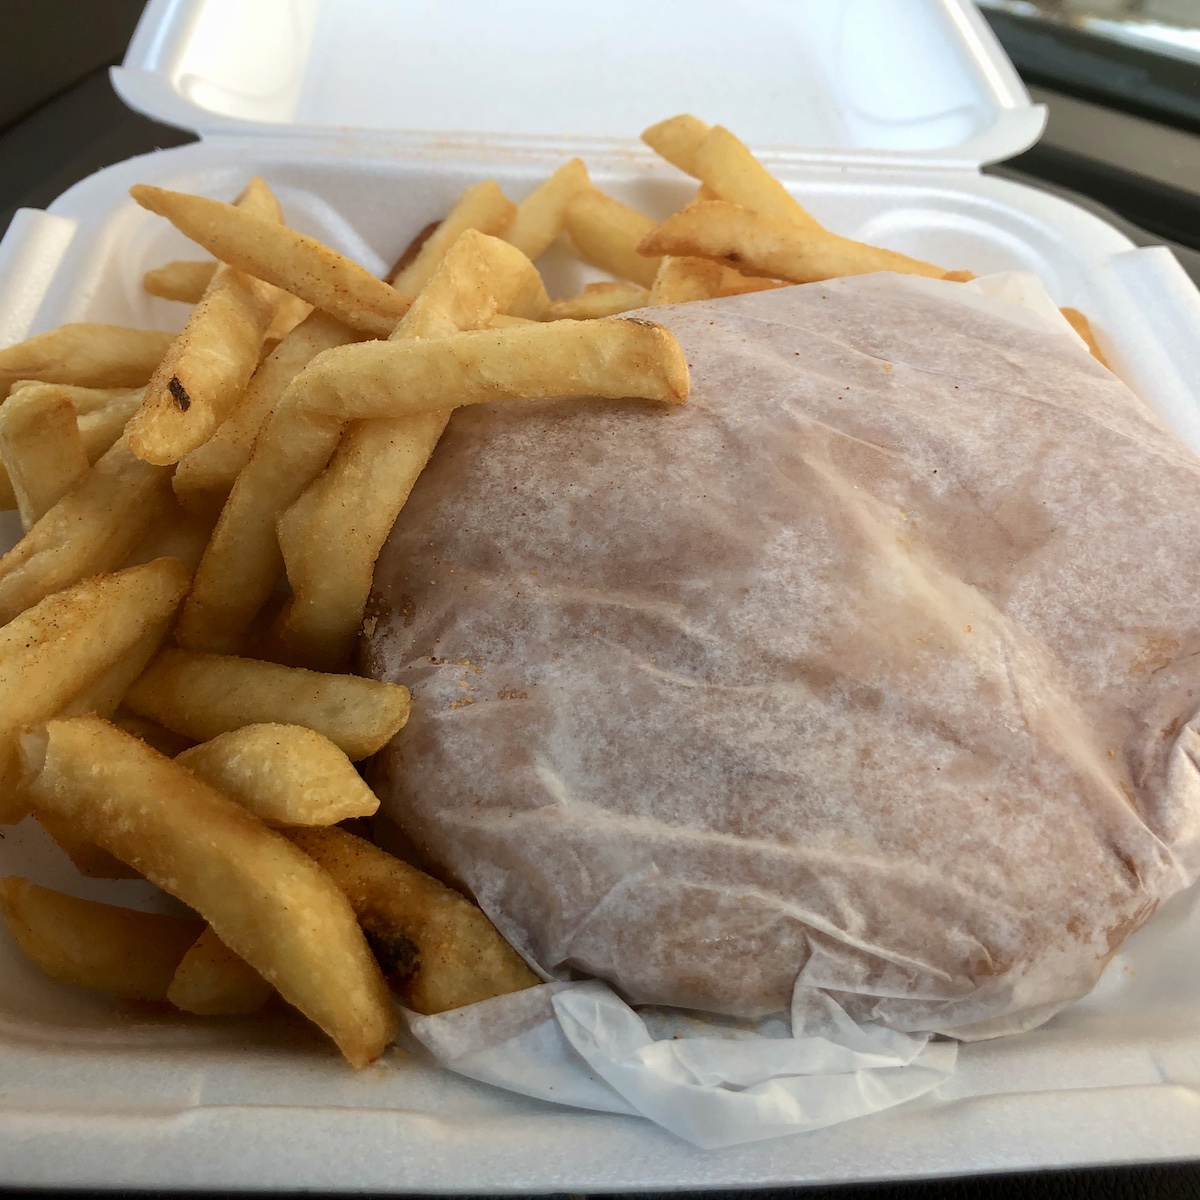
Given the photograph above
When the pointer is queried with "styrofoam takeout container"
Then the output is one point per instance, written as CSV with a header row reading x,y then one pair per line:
x,y
368,117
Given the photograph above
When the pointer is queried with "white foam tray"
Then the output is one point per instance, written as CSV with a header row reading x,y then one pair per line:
x,y
358,116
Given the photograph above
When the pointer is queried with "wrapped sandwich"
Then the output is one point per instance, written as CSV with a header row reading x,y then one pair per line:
x,y
871,671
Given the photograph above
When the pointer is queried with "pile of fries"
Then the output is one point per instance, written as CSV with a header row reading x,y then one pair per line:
x,y
202,516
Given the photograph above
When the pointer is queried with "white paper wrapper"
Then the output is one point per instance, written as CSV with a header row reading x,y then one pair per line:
x,y
868,683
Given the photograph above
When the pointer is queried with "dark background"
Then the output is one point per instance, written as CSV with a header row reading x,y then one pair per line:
x,y
1123,140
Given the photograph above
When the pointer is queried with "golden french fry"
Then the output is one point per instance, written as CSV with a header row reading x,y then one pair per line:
x,y
508,321
1083,327
332,534
539,217
725,165
439,949
483,206
677,139
154,735
101,947
243,562
42,451
607,233
290,311
758,244
101,356
681,280
203,695
89,860
203,478
52,651
212,981
90,530
179,280
103,695
102,414
281,256
266,900
209,364
284,774
615,358
599,300
177,534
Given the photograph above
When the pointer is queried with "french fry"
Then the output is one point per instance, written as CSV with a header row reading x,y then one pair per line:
x,y
284,774
265,900
100,947
53,650
204,477
757,244
203,695
614,358
290,311
101,413
102,696
677,139
179,280
539,217
290,260
42,451
681,280
725,165
459,957
607,233
332,534
150,732
242,562
209,364
599,300
89,860
101,356
212,981
92,529
178,534
483,207
1083,327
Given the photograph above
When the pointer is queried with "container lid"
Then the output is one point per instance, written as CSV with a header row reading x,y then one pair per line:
x,y
922,81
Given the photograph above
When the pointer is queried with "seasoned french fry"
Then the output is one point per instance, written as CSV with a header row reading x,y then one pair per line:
x,y
42,451
89,860
101,947
758,244
103,695
102,414
150,732
177,534
1083,327
607,233
599,300
681,280
53,650
724,164
203,695
281,256
285,774
101,356
483,206
265,900
615,358
677,139
442,951
243,562
539,217
90,530
332,534
209,364
179,280
212,981
203,478
290,311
